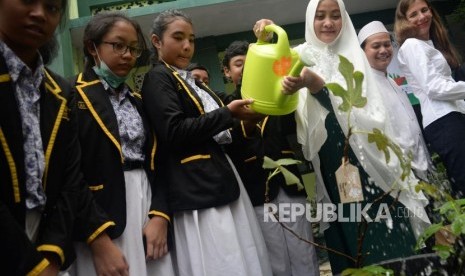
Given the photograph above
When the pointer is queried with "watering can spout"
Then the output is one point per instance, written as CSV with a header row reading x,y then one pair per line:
x,y
297,68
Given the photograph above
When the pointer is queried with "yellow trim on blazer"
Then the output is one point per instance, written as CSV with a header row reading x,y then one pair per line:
x,y
263,124
244,133
5,78
160,214
38,268
79,79
99,231
181,80
212,93
55,90
11,165
195,157
152,154
250,159
96,187
137,95
53,248
287,152
199,106
96,117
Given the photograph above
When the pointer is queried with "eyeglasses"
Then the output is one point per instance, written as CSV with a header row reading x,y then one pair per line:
x,y
121,48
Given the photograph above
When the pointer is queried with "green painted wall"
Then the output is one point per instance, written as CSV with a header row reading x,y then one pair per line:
x,y
206,53
208,49
85,6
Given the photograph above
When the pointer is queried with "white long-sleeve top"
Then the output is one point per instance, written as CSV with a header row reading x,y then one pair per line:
x,y
406,131
429,75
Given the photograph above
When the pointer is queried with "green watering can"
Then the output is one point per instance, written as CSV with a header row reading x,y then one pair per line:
x,y
265,66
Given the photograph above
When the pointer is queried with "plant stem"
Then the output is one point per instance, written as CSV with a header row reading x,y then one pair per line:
x,y
314,243
267,184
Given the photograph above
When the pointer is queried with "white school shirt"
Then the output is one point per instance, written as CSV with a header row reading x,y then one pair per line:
x,y
429,75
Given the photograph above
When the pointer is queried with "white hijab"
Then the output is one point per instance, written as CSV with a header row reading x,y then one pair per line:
x,y
310,115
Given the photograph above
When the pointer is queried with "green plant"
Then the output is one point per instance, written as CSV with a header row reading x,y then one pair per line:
x,y
370,270
452,211
451,224
278,167
352,97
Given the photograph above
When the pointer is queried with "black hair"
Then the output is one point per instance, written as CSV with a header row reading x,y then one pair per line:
x,y
99,25
236,48
49,50
194,66
162,20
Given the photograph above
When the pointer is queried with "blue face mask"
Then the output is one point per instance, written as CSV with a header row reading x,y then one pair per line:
x,y
105,73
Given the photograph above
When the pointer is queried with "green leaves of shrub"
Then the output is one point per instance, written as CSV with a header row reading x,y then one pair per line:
x,y
429,232
372,270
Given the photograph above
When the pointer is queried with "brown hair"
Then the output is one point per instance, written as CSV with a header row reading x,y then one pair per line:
x,y
438,33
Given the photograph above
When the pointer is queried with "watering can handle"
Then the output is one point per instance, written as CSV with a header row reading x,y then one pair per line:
x,y
282,43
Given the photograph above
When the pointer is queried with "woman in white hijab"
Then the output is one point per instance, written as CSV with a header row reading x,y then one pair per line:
x,y
322,130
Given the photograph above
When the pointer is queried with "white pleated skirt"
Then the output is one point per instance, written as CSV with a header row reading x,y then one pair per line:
x,y
138,200
224,240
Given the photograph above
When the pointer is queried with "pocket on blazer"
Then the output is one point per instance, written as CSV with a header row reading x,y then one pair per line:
x,y
95,188
195,157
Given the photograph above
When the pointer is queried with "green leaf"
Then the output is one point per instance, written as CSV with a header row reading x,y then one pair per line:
x,y
460,202
358,100
287,162
429,189
381,142
443,251
347,69
291,179
430,231
340,92
451,209
352,97
458,225
372,270
269,163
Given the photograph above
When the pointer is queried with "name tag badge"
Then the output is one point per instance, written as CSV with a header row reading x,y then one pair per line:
x,y
81,105
348,183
